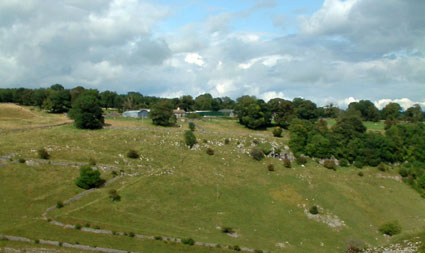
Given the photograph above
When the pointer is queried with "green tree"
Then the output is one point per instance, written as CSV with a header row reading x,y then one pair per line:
x,y
391,111
414,114
305,109
282,110
204,102
107,99
58,101
187,103
89,178
86,112
252,113
162,113
367,109
189,138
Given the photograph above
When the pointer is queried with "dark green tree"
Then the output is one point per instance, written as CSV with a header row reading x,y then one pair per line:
x,y
86,112
89,178
162,113
391,111
282,111
305,109
414,114
253,113
367,109
189,138
58,101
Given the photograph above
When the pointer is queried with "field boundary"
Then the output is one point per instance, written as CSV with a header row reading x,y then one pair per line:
x,y
32,128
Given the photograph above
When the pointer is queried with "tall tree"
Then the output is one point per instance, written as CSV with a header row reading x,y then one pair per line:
x,y
86,112
162,113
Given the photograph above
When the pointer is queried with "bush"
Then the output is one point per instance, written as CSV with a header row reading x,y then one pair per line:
x,y
132,154
355,247
226,141
236,248
158,238
21,160
287,163
227,230
255,141
89,178
114,173
162,113
257,154
42,154
270,167
189,138
403,172
96,227
86,112
258,251
188,241
59,204
344,162
277,132
36,241
192,126
382,167
329,164
314,210
78,227
301,160
87,225
360,174
193,116
113,195
390,228
131,234
210,151
358,164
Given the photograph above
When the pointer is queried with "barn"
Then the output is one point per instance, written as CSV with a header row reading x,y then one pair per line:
x,y
142,113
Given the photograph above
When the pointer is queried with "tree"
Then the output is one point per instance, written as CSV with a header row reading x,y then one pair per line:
x,y
391,111
187,103
282,110
414,114
107,99
57,87
58,101
204,102
253,113
189,138
305,109
86,112
162,113
89,178
367,109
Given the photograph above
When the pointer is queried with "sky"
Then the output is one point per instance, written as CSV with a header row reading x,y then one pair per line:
x,y
337,51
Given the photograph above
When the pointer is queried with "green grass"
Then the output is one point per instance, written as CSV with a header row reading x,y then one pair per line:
x,y
184,193
372,126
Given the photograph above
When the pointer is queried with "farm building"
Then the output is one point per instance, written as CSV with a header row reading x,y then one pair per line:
x,y
179,113
142,113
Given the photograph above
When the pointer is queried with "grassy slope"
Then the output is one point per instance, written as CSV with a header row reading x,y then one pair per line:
x,y
14,116
203,192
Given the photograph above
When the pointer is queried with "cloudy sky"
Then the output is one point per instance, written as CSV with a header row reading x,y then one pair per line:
x,y
327,51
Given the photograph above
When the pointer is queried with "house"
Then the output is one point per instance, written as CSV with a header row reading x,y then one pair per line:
x,y
179,113
142,113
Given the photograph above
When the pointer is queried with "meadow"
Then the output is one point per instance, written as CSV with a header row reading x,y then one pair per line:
x,y
174,191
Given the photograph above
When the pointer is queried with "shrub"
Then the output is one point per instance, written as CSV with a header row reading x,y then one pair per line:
x,y
226,141
21,160
92,161
114,232
188,241
59,204
36,241
360,174
193,116
159,238
314,210
114,173
301,160
255,141
258,251
277,132
89,178
355,247
390,228
192,126
287,163
257,154
344,162
131,234
270,167
96,227
132,154
113,195
329,164
60,244
78,227
210,151
86,112
382,167
403,172
358,164
227,230
42,154
87,225
189,138
236,248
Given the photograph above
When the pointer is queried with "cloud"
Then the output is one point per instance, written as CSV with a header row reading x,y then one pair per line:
x,y
194,58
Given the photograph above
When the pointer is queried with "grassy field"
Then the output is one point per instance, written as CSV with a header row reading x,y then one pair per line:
x,y
371,126
173,191
13,116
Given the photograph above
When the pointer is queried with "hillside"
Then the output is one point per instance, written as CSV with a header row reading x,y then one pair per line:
x,y
172,191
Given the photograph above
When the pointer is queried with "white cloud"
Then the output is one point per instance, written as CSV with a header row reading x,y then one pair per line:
x,y
266,96
405,103
195,58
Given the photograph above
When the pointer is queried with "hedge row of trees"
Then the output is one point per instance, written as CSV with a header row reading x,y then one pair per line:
x,y
255,113
348,140
57,99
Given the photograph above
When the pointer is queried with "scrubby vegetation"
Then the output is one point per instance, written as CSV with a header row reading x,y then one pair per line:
x,y
256,154
390,228
189,139
43,154
89,178
132,154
